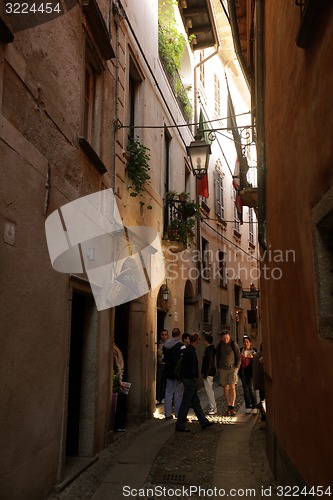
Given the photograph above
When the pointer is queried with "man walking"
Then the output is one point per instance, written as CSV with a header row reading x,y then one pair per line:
x,y
228,360
189,376
208,372
171,354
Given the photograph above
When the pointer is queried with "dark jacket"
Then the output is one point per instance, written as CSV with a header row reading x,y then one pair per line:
x,y
208,368
190,365
172,351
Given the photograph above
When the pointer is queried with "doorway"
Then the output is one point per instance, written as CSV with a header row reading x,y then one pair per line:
x,y
82,377
121,326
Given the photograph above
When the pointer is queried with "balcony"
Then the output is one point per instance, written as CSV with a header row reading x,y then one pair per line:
x,y
181,214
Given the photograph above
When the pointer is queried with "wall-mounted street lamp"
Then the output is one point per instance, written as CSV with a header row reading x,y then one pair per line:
x,y
199,152
165,293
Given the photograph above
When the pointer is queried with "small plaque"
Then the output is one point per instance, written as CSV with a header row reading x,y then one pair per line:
x,y
10,233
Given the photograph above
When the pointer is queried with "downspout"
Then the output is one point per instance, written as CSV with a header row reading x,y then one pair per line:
x,y
216,51
260,125
117,19
195,299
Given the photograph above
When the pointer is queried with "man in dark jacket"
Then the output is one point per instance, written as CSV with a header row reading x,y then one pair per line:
x,y
189,376
208,372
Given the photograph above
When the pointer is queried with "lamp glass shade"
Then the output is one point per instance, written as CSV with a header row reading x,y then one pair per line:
x,y
199,152
166,293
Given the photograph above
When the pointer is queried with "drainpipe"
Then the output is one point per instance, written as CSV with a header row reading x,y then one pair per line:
x,y
117,19
259,97
216,51
195,300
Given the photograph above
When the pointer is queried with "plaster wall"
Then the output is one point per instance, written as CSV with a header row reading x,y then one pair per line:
x,y
42,80
298,129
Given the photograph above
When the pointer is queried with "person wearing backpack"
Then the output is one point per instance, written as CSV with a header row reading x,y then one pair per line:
x,y
172,351
189,376
228,360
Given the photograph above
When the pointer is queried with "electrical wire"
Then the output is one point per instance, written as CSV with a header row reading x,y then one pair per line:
x,y
187,124
229,241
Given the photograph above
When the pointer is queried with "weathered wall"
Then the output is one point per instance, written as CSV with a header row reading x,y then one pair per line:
x,y
298,128
42,83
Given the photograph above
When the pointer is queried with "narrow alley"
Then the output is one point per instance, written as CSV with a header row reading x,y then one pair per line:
x,y
166,166
152,460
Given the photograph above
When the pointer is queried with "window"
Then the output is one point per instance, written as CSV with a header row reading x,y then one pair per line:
x,y
90,141
238,290
236,216
202,68
219,194
251,226
205,259
222,268
224,311
206,313
134,84
311,13
217,96
323,251
92,98
89,101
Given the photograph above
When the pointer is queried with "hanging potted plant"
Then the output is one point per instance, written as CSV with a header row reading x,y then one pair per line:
x,y
183,196
189,209
138,168
181,230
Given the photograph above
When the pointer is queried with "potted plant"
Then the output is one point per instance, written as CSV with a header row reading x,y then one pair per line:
x,y
170,196
183,196
189,209
138,168
180,230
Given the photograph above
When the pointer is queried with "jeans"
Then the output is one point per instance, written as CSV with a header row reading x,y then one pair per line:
x,y
190,398
249,394
208,383
174,390
160,383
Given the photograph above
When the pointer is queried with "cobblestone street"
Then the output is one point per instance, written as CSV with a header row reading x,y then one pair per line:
x,y
182,460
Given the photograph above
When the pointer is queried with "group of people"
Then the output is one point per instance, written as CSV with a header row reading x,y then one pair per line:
x,y
178,370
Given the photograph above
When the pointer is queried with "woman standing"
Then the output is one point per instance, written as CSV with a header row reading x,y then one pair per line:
x,y
245,374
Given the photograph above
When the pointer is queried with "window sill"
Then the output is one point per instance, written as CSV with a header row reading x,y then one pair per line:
x,y
308,24
98,26
92,155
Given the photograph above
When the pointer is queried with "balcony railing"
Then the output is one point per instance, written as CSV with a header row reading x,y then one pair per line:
x,y
180,219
